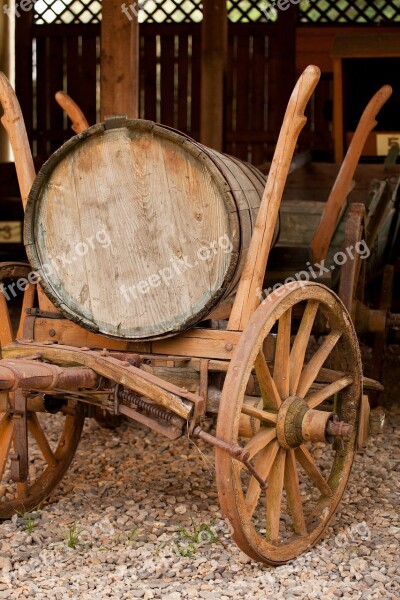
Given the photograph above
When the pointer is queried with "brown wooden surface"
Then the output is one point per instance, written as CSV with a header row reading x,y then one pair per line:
x,y
13,122
259,529
247,300
79,122
370,45
195,343
341,188
159,204
119,87
315,44
214,40
252,115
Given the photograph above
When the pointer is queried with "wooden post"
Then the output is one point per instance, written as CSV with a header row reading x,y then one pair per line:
x,y
338,109
214,44
5,68
119,59
23,67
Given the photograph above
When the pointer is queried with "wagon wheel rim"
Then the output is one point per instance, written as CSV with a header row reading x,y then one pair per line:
x,y
51,459
56,457
277,448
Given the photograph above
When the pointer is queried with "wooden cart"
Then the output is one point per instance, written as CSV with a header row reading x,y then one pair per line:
x,y
113,330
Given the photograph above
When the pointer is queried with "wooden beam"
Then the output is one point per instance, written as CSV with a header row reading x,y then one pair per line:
x,y
214,44
338,109
204,343
119,59
23,67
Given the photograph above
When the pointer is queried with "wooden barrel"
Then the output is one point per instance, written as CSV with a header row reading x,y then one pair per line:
x,y
137,231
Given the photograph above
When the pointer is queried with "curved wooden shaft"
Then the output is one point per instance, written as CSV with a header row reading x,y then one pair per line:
x,y
246,300
13,122
323,235
33,374
79,121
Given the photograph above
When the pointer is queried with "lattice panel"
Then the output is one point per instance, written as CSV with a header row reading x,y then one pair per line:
x,y
150,11
247,11
170,11
350,11
239,11
67,11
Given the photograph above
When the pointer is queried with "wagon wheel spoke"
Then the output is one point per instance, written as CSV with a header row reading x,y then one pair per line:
x,y
27,302
298,352
282,352
265,417
263,464
6,435
304,457
6,332
313,367
22,489
259,441
269,392
315,399
36,430
292,487
274,496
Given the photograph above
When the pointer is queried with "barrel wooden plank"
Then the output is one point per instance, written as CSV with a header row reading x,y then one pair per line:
x,y
152,230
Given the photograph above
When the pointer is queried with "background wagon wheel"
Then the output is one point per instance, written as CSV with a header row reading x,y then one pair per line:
x,y
52,438
293,425
16,295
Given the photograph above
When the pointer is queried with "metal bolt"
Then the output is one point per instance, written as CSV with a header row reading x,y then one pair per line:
x,y
340,429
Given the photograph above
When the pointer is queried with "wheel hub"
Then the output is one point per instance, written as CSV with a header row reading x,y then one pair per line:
x,y
297,423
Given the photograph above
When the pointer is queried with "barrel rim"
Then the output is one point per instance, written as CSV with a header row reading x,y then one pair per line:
x,y
198,152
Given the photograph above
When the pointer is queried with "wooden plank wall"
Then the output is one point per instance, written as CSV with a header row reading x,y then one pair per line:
x,y
314,46
66,57
170,75
260,75
260,78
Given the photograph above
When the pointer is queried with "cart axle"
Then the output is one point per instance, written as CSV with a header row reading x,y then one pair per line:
x,y
234,450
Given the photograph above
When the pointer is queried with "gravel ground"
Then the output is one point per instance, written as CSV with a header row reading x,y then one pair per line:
x,y
130,494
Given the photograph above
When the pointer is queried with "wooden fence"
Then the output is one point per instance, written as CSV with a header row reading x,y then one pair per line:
x,y
260,74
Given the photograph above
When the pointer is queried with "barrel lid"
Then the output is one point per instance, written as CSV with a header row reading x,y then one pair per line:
x,y
133,230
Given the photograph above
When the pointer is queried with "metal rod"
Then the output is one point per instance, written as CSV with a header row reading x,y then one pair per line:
x,y
234,450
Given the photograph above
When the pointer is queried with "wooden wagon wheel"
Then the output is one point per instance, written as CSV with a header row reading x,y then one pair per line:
x,y
292,429
51,439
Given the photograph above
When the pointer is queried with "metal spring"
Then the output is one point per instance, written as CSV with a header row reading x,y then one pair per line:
x,y
154,411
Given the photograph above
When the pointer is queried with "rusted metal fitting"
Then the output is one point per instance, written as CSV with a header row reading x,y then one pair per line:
x,y
339,429
297,423
36,375
234,450
133,360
